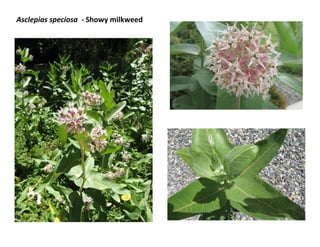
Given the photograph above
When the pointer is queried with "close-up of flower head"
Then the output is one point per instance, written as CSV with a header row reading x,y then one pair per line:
x,y
72,118
244,61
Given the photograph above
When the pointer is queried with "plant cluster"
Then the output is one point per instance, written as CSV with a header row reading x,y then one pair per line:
x,y
79,154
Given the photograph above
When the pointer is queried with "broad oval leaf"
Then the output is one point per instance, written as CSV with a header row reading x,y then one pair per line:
x,y
178,83
207,140
240,157
204,77
268,148
115,110
202,165
226,100
210,31
201,196
69,160
183,102
287,58
256,198
291,81
95,116
176,26
288,41
191,49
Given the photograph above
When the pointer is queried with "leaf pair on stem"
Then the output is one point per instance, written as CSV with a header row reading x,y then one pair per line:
x,y
229,179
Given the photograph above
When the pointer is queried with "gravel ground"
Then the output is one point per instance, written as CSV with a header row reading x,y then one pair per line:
x,y
291,95
286,172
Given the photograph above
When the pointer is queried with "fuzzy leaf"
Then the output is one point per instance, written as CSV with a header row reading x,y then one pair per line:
x,y
178,83
240,157
202,164
256,198
226,100
176,26
115,110
211,141
210,30
190,49
201,196
291,81
268,148
204,77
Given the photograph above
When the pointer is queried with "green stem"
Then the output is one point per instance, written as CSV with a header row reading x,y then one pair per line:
x,y
202,53
83,167
239,102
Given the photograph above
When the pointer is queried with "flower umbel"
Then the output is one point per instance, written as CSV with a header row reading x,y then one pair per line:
x,y
20,68
244,62
72,118
97,143
91,98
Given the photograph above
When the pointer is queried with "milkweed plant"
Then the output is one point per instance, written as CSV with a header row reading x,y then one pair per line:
x,y
235,64
228,180
89,167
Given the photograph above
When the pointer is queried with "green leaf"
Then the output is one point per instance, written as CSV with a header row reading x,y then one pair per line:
x,y
107,96
178,83
99,201
76,207
213,142
94,116
224,213
204,77
210,31
183,102
253,196
201,196
226,100
288,41
287,58
69,160
201,63
71,91
191,49
111,149
202,164
75,143
291,81
268,148
63,134
201,99
176,26
206,140
115,110
240,157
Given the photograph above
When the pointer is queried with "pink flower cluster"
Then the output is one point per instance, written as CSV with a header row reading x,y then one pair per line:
x,y
72,118
97,143
20,68
91,98
244,61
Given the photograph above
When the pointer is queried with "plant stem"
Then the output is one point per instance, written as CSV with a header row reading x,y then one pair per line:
x,y
83,175
239,102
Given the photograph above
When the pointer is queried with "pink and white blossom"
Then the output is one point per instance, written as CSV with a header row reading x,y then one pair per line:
x,y
91,98
73,118
97,143
244,62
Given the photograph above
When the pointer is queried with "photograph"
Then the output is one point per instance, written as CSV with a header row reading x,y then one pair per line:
x,y
236,174
83,130
236,65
